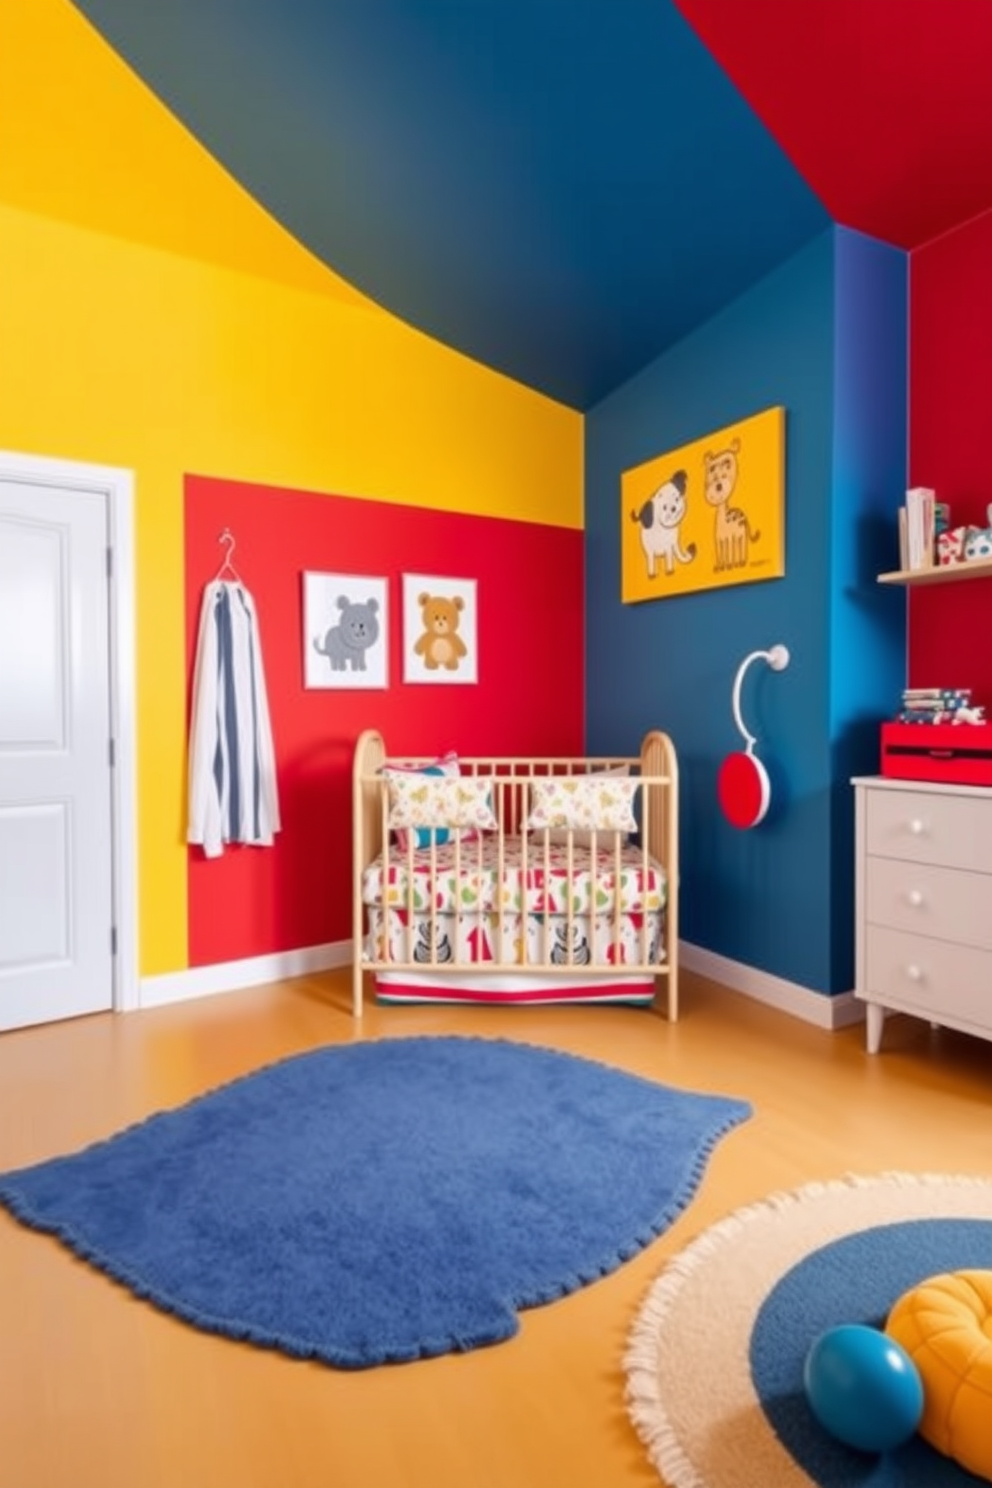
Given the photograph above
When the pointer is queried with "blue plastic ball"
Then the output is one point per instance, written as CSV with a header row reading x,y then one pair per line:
x,y
863,1387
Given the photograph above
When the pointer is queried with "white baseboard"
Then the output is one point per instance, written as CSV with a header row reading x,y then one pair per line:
x,y
230,976
819,1008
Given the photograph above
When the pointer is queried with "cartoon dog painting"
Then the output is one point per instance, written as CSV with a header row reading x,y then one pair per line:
x,y
733,532
661,517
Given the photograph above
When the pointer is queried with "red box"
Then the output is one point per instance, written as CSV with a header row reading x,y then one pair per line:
x,y
947,753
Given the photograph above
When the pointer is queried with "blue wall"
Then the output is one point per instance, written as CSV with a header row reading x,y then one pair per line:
x,y
867,620
766,897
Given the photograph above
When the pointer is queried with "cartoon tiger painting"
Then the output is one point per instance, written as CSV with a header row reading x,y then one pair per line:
x,y
733,532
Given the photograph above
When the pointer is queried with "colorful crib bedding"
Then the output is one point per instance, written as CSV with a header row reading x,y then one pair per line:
x,y
543,889
455,918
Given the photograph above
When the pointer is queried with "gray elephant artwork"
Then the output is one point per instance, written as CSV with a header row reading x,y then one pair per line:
x,y
345,635
346,643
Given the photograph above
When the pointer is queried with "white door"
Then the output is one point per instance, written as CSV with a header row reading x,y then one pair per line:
x,y
56,838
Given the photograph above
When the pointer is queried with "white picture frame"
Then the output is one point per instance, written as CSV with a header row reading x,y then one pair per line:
x,y
345,631
440,629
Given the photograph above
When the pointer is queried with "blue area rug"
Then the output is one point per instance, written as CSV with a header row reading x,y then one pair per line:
x,y
382,1202
715,1362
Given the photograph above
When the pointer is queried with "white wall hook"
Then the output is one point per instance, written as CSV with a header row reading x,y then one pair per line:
x,y
778,659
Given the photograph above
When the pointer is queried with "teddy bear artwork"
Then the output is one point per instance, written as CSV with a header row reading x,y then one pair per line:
x,y
440,644
346,630
439,628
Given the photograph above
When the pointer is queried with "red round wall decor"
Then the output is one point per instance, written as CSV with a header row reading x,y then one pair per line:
x,y
743,787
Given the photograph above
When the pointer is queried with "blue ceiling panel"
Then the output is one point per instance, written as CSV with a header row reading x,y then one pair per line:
x,y
561,189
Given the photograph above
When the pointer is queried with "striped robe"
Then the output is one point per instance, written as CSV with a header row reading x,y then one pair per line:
x,y
233,795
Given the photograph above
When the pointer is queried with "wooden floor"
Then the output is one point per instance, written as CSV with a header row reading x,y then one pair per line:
x,y
99,1390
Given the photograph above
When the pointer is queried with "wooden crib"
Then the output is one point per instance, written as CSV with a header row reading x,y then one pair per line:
x,y
556,896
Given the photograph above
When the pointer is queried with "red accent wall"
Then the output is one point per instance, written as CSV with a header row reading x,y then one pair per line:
x,y
529,698
881,105
950,407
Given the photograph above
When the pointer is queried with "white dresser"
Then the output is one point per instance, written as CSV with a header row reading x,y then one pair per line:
x,y
923,878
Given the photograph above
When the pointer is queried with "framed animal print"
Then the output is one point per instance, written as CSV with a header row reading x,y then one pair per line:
x,y
708,514
440,629
345,631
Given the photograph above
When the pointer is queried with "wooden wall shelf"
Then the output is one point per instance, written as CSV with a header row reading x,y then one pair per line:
x,y
977,568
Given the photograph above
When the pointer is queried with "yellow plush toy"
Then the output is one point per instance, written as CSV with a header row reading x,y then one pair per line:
x,y
945,1325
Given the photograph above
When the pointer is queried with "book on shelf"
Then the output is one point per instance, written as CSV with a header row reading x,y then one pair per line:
x,y
920,527
937,692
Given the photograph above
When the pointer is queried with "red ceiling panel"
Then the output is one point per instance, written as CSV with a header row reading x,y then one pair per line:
x,y
884,106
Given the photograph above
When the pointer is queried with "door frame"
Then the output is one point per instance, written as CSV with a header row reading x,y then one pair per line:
x,y
117,488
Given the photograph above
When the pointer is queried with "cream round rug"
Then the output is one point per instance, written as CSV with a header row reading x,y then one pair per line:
x,y
714,1360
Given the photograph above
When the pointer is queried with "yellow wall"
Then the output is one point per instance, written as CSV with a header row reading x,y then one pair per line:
x,y
189,333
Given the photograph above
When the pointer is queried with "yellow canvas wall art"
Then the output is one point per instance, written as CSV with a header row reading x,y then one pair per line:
x,y
708,514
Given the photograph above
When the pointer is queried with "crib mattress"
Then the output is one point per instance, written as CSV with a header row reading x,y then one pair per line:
x,y
543,888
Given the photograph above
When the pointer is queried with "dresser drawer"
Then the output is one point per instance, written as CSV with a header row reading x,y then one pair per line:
x,y
940,902
932,978
925,827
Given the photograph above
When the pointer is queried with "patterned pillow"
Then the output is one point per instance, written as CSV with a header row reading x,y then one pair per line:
x,y
595,803
584,839
446,765
437,802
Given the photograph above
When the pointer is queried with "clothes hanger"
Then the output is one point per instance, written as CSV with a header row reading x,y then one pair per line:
x,y
227,570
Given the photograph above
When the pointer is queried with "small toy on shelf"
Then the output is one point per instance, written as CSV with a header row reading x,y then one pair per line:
x,y
951,545
964,544
979,544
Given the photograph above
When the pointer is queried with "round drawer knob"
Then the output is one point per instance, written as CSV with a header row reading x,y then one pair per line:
x,y
916,826
915,897
914,973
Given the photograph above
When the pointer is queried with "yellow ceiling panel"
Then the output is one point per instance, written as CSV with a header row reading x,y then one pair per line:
x,y
84,140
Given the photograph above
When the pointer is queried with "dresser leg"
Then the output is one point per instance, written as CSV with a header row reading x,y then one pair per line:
x,y
875,1019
